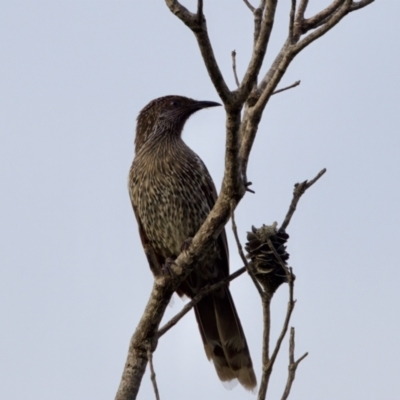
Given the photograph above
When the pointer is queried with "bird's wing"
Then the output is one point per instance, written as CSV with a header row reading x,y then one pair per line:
x,y
155,261
211,195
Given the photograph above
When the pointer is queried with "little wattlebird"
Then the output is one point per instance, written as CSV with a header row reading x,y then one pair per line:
x,y
172,194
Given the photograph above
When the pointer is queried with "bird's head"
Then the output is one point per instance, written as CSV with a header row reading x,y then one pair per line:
x,y
169,112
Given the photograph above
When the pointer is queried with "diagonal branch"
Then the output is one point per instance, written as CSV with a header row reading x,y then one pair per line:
x,y
299,190
356,5
322,16
197,24
302,25
292,365
249,5
137,358
253,113
331,22
259,99
297,83
259,50
203,292
249,267
291,21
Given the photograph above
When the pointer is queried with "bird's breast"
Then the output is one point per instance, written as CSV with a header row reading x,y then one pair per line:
x,y
169,199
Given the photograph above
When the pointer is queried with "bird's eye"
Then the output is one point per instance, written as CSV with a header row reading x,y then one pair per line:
x,y
175,103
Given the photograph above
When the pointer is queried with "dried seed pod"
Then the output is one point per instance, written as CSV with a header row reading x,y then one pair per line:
x,y
268,269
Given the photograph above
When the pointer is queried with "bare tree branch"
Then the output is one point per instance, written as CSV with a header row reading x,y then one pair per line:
x,y
301,11
249,5
203,292
262,5
331,22
297,83
290,308
253,114
292,365
197,24
137,358
291,21
259,99
152,372
258,14
266,307
322,16
200,14
260,48
243,257
299,190
234,68
268,76
268,363
356,5
277,256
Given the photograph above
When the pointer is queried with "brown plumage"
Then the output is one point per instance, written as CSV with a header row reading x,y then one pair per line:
x,y
172,193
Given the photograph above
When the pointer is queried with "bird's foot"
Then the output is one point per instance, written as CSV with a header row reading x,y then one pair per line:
x,y
186,244
166,268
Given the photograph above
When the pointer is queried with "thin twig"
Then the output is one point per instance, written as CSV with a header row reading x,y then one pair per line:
x,y
292,365
267,367
299,190
360,4
297,83
239,245
243,257
152,372
203,292
198,26
290,308
234,68
249,5
278,257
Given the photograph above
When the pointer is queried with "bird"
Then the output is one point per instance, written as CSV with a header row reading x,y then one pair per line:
x,y
172,194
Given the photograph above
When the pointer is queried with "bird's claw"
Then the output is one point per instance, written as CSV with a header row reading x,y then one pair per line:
x,y
166,268
186,244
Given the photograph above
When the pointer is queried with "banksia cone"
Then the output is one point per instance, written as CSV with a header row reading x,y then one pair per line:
x,y
268,269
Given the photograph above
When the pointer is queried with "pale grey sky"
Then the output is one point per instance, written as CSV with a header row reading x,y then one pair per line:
x,y
73,277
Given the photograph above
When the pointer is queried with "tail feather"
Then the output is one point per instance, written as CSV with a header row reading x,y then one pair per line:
x,y
223,338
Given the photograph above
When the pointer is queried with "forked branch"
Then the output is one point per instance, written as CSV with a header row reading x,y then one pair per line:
x,y
197,24
293,364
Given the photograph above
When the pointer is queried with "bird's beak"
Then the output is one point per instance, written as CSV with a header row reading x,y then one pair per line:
x,y
205,104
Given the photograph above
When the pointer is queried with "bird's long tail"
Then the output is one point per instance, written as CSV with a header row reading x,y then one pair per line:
x,y
223,338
